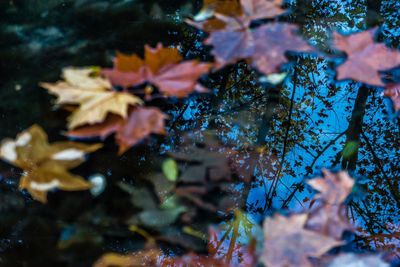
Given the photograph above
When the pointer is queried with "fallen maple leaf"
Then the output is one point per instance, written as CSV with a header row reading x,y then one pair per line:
x,y
329,220
227,14
288,244
330,217
141,122
393,91
365,58
46,165
264,47
93,94
334,187
162,67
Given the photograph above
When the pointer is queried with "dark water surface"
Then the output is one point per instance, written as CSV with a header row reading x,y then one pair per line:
x,y
303,125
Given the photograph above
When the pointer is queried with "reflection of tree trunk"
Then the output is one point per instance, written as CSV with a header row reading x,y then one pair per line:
x,y
265,121
373,15
353,132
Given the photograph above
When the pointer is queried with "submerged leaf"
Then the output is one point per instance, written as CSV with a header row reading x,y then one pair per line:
x,y
170,169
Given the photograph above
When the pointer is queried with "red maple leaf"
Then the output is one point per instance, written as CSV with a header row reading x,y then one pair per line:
x,y
141,122
264,47
393,91
365,58
163,67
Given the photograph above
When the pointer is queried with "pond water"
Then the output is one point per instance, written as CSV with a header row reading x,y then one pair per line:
x,y
282,134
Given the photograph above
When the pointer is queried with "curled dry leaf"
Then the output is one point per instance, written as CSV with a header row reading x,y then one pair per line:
x,y
163,67
393,91
140,123
330,218
264,47
93,94
287,243
45,165
365,58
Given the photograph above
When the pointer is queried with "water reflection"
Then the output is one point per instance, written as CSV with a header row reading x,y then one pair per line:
x,y
277,135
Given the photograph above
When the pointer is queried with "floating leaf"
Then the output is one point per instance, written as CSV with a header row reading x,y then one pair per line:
x,y
264,47
46,165
365,58
93,94
141,122
288,244
233,14
162,67
333,188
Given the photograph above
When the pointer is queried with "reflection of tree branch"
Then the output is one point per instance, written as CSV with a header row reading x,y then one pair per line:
x,y
333,141
306,149
268,201
392,188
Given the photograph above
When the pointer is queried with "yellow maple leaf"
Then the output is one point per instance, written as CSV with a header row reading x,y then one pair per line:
x,y
93,94
46,165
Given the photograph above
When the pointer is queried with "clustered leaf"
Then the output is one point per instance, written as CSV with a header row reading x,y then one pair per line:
x,y
263,47
46,165
102,110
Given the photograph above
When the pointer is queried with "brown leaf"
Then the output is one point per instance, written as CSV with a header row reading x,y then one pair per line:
x,y
334,187
162,66
264,47
46,165
330,220
365,58
393,91
141,122
288,244
330,217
